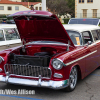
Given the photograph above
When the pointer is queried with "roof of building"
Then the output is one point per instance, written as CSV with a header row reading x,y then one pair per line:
x,y
80,27
9,2
18,3
30,3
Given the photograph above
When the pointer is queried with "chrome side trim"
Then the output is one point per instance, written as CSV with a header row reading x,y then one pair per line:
x,y
38,83
2,58
80,58
1,70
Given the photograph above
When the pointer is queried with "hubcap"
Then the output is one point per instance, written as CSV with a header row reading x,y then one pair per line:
x,y
73,78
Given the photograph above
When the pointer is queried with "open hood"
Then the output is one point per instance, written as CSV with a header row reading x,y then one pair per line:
x,y
36,25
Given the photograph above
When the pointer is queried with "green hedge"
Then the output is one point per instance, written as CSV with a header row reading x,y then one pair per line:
x,y
5,17
66,20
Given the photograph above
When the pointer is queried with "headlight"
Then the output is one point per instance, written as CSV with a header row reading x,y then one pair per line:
x,y
1,59
57,64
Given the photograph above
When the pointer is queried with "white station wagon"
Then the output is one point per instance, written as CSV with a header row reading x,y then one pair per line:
x,y
9,36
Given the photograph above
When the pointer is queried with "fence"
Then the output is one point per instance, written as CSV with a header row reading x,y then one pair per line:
x,y
87,15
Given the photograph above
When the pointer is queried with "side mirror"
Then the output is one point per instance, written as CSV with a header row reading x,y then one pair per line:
x,y
89,42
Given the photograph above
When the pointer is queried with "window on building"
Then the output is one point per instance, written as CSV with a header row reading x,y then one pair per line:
x,y
81,1
36,8
84,13
9,8
40,8
94,13
16,7
1,7
89,1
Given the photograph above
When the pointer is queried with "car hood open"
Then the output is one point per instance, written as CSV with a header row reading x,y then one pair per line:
x,y
36,25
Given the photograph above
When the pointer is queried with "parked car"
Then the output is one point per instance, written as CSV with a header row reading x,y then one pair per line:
x,y
90,21
9,36
52,55
10,22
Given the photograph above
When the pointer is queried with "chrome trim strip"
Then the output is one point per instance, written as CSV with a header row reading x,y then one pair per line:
x,y
1,70
2,58
80,58
38,83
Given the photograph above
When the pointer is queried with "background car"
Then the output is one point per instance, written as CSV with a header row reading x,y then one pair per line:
x,y
10,22
89,21
9,36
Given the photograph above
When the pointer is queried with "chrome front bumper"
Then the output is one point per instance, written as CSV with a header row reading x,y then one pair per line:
x,y
38,83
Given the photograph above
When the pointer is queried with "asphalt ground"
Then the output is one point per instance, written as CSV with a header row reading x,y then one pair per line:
x,y
87,89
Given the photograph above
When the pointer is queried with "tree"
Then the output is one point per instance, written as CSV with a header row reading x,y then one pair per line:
x,y
60,6
71,5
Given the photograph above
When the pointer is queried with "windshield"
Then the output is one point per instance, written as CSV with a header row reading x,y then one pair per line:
x,y
75,37
84,21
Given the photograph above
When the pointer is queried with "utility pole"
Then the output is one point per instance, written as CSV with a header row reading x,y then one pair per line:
x,y
44,5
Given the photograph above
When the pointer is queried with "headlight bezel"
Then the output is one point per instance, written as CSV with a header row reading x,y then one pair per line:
x,y
56,60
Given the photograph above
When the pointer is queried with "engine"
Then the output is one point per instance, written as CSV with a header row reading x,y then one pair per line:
x,y
39,59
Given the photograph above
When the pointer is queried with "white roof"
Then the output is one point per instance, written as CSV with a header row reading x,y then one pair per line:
x,y
2,26
80,27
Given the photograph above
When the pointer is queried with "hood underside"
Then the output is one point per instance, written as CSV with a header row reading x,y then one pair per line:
x,y
39,26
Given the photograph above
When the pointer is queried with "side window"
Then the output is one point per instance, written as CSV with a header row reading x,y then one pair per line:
x,y
2,35
87,37
11,34
96,34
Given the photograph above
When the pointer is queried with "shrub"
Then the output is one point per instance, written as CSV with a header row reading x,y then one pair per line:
x,y
66,20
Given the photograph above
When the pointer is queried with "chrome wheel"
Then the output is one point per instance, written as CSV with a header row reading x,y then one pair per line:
x,y
73,78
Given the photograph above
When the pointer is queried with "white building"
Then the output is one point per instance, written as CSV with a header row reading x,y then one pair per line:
x,y
87,8
36,5
9,7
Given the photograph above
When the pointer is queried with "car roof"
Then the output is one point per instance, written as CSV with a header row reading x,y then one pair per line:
x,y
80,27
2,26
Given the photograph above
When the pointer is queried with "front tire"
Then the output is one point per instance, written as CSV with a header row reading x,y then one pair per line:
x,y
72,80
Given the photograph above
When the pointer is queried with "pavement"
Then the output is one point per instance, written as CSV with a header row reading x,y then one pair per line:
x,y
86,89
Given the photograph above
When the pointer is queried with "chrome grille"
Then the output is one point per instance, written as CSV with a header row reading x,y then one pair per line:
x,y
28,70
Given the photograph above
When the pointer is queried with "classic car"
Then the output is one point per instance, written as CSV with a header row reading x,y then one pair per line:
x,y
52,55
90,21
10,22
9,36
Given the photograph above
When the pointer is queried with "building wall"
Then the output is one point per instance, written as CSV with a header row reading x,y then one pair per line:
x,y
89,6
6,11
15,0
38,6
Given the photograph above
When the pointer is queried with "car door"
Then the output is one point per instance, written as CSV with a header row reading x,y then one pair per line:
x,y
96,37
12,37
90,52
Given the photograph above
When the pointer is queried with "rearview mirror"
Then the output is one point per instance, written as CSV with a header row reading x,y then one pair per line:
x,y
89,42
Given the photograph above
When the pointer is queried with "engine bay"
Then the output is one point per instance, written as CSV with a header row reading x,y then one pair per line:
x,y
36,55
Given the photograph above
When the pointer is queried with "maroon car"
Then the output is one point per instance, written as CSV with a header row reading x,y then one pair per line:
x,y
52,55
